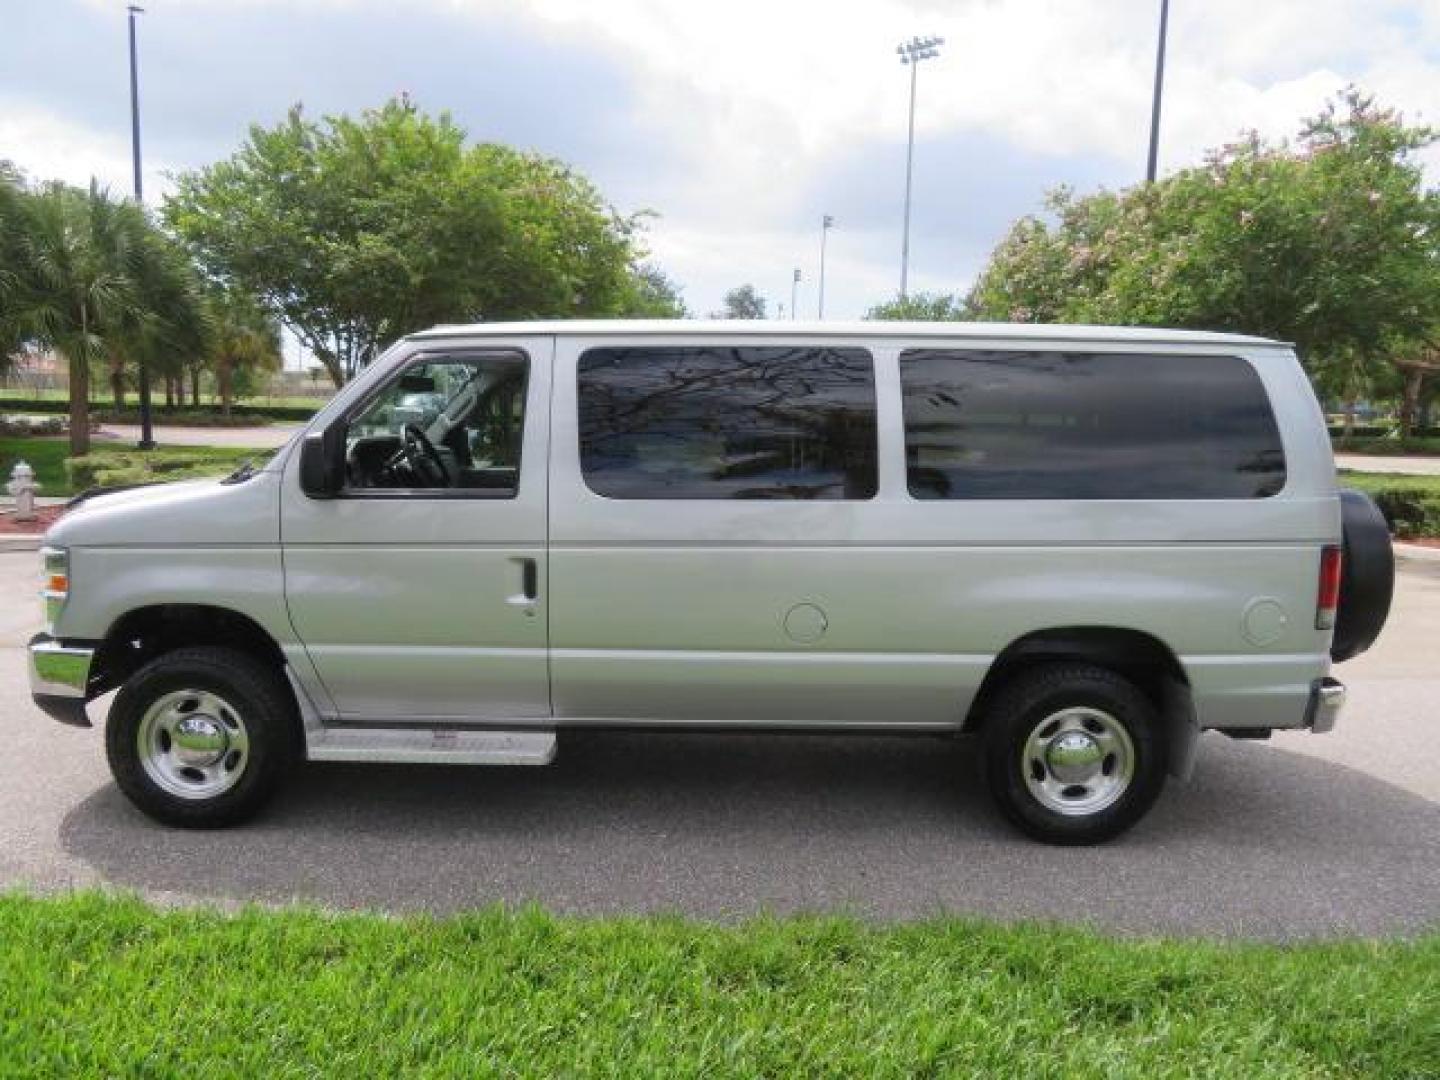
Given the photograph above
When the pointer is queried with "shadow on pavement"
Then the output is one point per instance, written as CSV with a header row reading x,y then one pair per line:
x,y
1262,842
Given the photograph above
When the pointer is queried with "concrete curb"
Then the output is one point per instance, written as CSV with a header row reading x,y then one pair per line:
x,y
21,543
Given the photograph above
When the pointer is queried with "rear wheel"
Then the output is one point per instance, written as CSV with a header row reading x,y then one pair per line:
x,y
1074,753
201,737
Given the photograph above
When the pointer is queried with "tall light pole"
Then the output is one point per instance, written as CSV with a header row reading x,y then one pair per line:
x,y
794,286
826,224
1159,87
911,53
147,434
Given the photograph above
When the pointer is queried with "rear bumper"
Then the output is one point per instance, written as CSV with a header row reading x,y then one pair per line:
x,y
1327,698
60,678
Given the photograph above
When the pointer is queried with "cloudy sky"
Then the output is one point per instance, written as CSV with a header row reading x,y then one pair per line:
x,y
738,122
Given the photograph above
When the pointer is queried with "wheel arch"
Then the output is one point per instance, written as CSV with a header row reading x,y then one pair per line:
x,y
144,633
1139,656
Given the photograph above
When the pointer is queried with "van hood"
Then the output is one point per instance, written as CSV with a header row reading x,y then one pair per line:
x,y
176,514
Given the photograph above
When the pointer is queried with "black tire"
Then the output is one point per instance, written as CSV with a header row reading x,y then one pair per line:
x,y
1367,576
257,695
1021,707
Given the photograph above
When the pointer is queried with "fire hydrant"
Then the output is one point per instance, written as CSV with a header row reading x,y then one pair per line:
x,y
22,485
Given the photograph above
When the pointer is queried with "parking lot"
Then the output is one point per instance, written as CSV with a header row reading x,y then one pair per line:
x,y
1301,836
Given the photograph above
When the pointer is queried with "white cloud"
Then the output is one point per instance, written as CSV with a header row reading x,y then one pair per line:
x,y
50,147
748,104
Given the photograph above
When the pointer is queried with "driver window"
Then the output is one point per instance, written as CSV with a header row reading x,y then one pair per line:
x,y
445,422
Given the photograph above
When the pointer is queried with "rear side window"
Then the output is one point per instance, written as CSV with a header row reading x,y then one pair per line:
x,y
671,422
1053,425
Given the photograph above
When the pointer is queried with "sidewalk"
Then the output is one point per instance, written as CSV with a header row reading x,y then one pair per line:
x,y
1413,465
262,437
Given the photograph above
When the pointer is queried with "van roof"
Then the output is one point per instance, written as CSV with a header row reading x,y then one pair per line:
x,y
852,329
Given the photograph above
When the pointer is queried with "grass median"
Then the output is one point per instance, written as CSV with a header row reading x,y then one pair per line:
x,y
96,985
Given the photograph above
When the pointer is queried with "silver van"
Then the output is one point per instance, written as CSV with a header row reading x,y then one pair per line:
x,y
1081,545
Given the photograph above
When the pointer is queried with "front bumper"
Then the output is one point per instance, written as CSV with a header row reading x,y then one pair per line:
x,y
1327,697
60,678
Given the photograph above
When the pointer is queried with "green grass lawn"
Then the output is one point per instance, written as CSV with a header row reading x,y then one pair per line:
x,y
103,986
47,456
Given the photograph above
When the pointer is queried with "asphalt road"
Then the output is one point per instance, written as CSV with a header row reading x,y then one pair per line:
x,y
1303,836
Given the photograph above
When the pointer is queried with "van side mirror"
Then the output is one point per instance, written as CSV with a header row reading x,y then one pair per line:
x,y
322,462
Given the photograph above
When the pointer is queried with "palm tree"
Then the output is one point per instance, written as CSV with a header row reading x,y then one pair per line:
x,y
11,337
74,286
173,330
243,339
92,279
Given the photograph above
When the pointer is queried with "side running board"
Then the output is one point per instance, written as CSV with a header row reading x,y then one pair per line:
x,y
426,746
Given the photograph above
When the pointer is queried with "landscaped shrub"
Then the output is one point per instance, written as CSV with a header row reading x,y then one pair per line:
x,y
240,415
20,427
1411,505
1416,444
114,470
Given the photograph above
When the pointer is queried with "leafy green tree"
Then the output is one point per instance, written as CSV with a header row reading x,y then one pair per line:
x,y
742,302
353,232
921,307
653,295
1332,242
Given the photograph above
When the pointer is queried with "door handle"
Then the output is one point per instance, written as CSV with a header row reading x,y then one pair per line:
x,y
529,586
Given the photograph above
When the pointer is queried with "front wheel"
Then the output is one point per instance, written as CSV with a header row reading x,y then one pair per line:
x,y
1074,753
201,737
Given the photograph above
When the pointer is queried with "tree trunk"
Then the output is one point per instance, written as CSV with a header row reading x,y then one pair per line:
x,y
1410,402
117,387
80,393
195,387
169,391
224,383
1352,397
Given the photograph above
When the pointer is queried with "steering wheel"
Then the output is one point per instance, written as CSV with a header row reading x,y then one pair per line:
x,y
420,452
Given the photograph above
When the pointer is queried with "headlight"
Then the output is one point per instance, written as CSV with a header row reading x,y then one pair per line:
x,y
56,563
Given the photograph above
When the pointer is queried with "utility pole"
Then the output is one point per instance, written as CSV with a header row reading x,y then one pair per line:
x,y
147,433
1159,87
911,53
794,287
826,224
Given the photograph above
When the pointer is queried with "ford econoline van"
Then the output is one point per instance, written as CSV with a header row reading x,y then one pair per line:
x,y
1082,546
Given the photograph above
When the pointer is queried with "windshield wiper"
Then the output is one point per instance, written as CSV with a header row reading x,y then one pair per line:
x,y
243,472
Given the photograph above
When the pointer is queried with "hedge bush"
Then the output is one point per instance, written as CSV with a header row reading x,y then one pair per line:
x,y
241,415
1411,504
139,467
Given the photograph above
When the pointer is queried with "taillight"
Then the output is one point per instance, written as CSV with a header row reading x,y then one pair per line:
x,y
1327,599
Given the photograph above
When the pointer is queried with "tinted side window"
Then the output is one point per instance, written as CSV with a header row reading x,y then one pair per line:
x,y
669,422
1050,425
